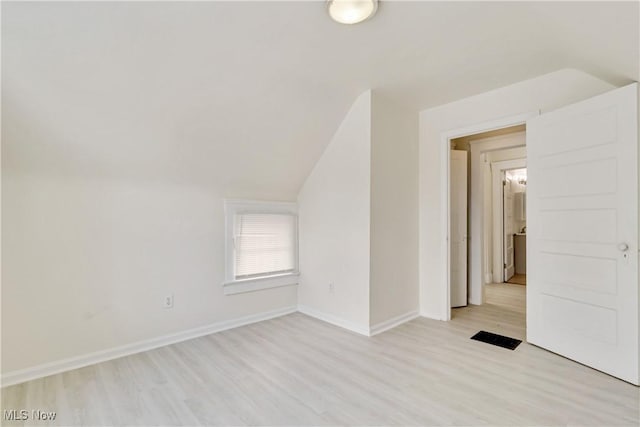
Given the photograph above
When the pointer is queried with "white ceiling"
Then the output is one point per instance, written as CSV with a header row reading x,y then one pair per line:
x,y
244,96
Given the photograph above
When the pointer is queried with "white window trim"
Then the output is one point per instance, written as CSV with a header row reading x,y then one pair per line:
x,y
231,285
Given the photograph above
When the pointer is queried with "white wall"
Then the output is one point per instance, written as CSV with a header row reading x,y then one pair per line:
x,y
334,220
394,210
87,262
358,215
542,93
90,254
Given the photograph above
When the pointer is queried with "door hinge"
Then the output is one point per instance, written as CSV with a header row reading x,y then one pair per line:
x,y
505,266
504,183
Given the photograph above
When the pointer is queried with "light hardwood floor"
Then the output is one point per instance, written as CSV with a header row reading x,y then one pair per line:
x,y
296,370
519,279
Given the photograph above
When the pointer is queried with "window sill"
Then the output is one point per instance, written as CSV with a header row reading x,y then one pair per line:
x,y
258,283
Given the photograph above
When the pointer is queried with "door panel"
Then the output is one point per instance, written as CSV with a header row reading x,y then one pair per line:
x,y
595,274
508,219
597,226
582,185
458,228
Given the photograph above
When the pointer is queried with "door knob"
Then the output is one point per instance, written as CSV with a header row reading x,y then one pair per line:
x,y
623,247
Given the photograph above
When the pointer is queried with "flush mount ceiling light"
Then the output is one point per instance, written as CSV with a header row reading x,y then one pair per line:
x,y
351,11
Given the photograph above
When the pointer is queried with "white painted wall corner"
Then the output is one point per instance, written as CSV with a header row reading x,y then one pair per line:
x,y
393,322
329,318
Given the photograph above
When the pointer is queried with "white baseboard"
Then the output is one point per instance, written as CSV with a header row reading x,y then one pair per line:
x,y
432,316
393,322
329,318
23,375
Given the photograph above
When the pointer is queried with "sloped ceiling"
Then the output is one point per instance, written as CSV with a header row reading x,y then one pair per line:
x,y
242,97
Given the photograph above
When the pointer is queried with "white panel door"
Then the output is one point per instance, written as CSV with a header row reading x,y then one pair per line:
x,y
458,211
507,221
582,221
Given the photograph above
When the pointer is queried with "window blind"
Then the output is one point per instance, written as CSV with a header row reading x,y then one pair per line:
x,y
265,244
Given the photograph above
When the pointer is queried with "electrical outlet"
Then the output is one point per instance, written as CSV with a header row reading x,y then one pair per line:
x,y
331,288
168,301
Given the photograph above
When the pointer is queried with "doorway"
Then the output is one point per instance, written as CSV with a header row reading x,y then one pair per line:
x,y
582,294
514,226
476,257
509,220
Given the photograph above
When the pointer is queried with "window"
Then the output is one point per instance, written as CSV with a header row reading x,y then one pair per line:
x,y
264,244
261,245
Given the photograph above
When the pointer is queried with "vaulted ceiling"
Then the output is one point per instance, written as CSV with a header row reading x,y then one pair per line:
x,y
244,96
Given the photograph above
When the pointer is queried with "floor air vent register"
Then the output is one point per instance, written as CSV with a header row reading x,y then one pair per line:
x,y
495,339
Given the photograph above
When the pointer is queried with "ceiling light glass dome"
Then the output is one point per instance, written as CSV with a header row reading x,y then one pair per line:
x,y
351,11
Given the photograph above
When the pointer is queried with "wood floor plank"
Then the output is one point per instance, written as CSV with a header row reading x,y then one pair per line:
x,y
296,370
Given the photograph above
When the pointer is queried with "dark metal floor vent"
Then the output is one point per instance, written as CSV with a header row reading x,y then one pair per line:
x,y
495,339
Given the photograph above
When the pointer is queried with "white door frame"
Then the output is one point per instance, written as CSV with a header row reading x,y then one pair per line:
x,y
445,161
497,169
